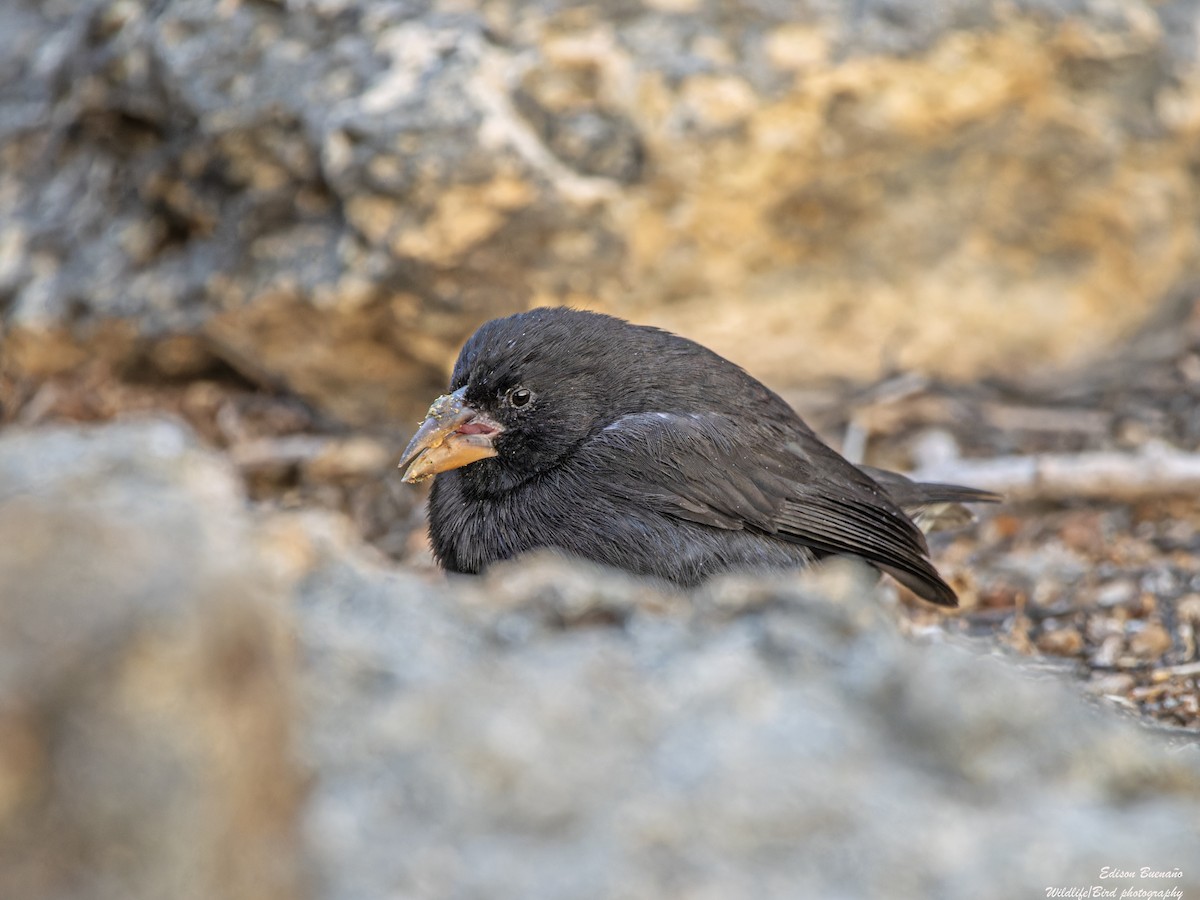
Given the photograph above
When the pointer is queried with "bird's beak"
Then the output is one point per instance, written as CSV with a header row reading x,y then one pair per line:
x,y
453,435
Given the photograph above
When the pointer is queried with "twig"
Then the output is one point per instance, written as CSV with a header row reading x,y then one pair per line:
x,y
319,457
1048,419
266,453
1154,470
1181,671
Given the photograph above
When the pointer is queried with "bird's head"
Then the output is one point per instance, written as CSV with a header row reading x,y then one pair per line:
x,y
526,391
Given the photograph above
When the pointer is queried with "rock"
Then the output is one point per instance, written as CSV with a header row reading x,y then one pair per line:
x,y
330,194
1188,609
1150,642
560,731
145,676
1061,642
169,664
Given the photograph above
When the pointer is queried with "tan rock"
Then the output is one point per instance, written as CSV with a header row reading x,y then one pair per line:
x,y
1004,199
1061,642
145,696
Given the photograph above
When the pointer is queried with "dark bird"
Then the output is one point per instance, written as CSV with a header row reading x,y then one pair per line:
x,y
639,449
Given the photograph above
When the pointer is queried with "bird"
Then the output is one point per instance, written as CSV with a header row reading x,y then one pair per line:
x,y
637,448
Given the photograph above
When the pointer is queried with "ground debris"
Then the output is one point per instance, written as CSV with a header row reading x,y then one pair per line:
x,y
1094,557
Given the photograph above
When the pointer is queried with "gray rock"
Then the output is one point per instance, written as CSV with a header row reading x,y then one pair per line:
x,y
145,677
556,731
550,731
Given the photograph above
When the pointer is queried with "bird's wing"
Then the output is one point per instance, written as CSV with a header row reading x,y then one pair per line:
x,y
775,479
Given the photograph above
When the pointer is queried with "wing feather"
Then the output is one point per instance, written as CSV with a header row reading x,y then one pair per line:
x,y
779,481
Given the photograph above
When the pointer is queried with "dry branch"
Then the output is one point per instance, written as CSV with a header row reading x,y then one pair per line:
x,y
1155,470
319,457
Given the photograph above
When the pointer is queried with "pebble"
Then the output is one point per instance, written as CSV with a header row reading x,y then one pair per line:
x,y
1062,642
1188,609
1118,684
1116,593
1150,642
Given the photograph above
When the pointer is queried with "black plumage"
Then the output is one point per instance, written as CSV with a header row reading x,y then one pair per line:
x,y
633,447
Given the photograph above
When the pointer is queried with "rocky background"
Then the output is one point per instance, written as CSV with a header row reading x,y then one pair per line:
x,y
240,243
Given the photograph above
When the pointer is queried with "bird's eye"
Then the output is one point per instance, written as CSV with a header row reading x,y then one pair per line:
x,y
519,397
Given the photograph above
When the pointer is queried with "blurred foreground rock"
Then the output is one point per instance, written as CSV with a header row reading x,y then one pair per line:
x,y
560,732
551,731
145,677
330,194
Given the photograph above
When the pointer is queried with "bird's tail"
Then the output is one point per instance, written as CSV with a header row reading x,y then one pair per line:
x,y
933,507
